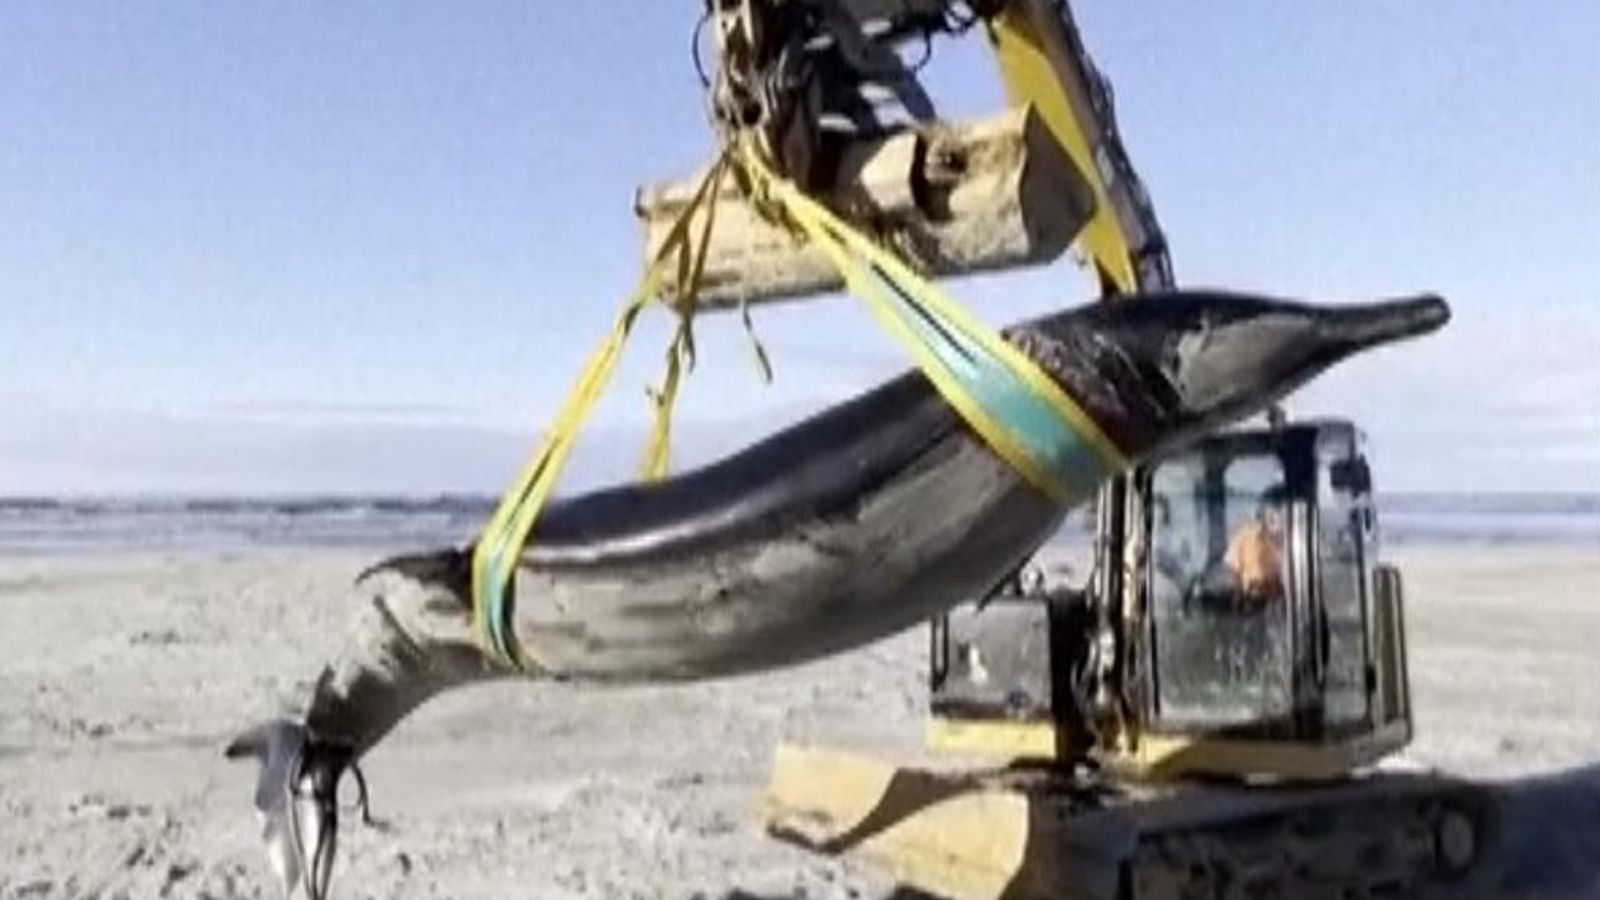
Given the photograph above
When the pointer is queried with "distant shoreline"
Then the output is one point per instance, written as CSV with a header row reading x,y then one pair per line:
x,y
310,502
49,525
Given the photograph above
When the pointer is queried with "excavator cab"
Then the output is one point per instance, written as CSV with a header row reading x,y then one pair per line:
x,y
1266,616
1254,631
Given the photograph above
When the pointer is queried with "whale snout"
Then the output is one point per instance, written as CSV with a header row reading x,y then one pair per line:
x,y
1189,362
1360,326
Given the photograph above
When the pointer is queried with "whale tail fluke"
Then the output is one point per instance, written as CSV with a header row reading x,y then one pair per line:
x,y
297,800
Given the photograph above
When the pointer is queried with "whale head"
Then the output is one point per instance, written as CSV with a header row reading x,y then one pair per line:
x,y
1161,370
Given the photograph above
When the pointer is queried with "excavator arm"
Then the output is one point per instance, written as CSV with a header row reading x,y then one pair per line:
x,y
843,115
1043,63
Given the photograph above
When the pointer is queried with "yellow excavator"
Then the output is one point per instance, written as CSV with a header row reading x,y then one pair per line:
x,y
1151,734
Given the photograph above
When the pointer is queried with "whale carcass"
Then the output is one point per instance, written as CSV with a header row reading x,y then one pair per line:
x,y
847,527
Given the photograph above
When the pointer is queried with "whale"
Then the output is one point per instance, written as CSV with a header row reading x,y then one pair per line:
x,y
849,526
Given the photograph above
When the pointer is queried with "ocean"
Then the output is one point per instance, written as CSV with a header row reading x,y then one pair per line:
x,y
56,525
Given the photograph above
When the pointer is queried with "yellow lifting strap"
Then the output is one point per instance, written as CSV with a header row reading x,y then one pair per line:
x,y
950,345
1002,394
494,558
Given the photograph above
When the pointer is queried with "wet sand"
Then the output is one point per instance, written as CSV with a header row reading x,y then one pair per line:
x,y
122,676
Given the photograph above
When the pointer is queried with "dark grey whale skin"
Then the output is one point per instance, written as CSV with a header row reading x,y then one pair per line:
x,y
876,514
853,524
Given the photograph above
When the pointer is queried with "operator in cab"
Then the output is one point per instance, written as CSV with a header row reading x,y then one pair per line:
x,y
1254,557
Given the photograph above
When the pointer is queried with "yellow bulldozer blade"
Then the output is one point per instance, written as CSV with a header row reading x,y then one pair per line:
x,y
966,836
1047,834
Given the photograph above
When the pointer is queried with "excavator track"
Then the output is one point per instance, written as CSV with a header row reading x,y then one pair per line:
x,y
1033,834
1379,838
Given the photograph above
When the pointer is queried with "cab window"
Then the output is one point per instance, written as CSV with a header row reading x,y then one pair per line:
x,y
1218,590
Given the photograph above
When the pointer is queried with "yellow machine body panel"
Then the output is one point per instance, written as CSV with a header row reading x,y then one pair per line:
x,y
1172,756
1160,757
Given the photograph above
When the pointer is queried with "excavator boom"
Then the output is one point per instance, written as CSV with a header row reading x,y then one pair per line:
x,y
1000,193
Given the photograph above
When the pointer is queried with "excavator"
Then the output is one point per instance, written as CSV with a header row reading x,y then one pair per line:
x,y
1146,734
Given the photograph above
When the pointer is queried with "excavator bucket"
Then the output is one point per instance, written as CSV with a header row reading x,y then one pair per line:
x,y
995,194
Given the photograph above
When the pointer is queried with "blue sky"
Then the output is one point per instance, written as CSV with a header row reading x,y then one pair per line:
x,y
364,246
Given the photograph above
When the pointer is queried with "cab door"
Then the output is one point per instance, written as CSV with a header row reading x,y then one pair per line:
x,y
1221,651
1342,572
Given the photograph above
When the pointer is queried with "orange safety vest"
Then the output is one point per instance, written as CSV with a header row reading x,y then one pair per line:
x,y
1256,560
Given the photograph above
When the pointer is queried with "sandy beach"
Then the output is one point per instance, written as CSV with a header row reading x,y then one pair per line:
x,y
122,676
